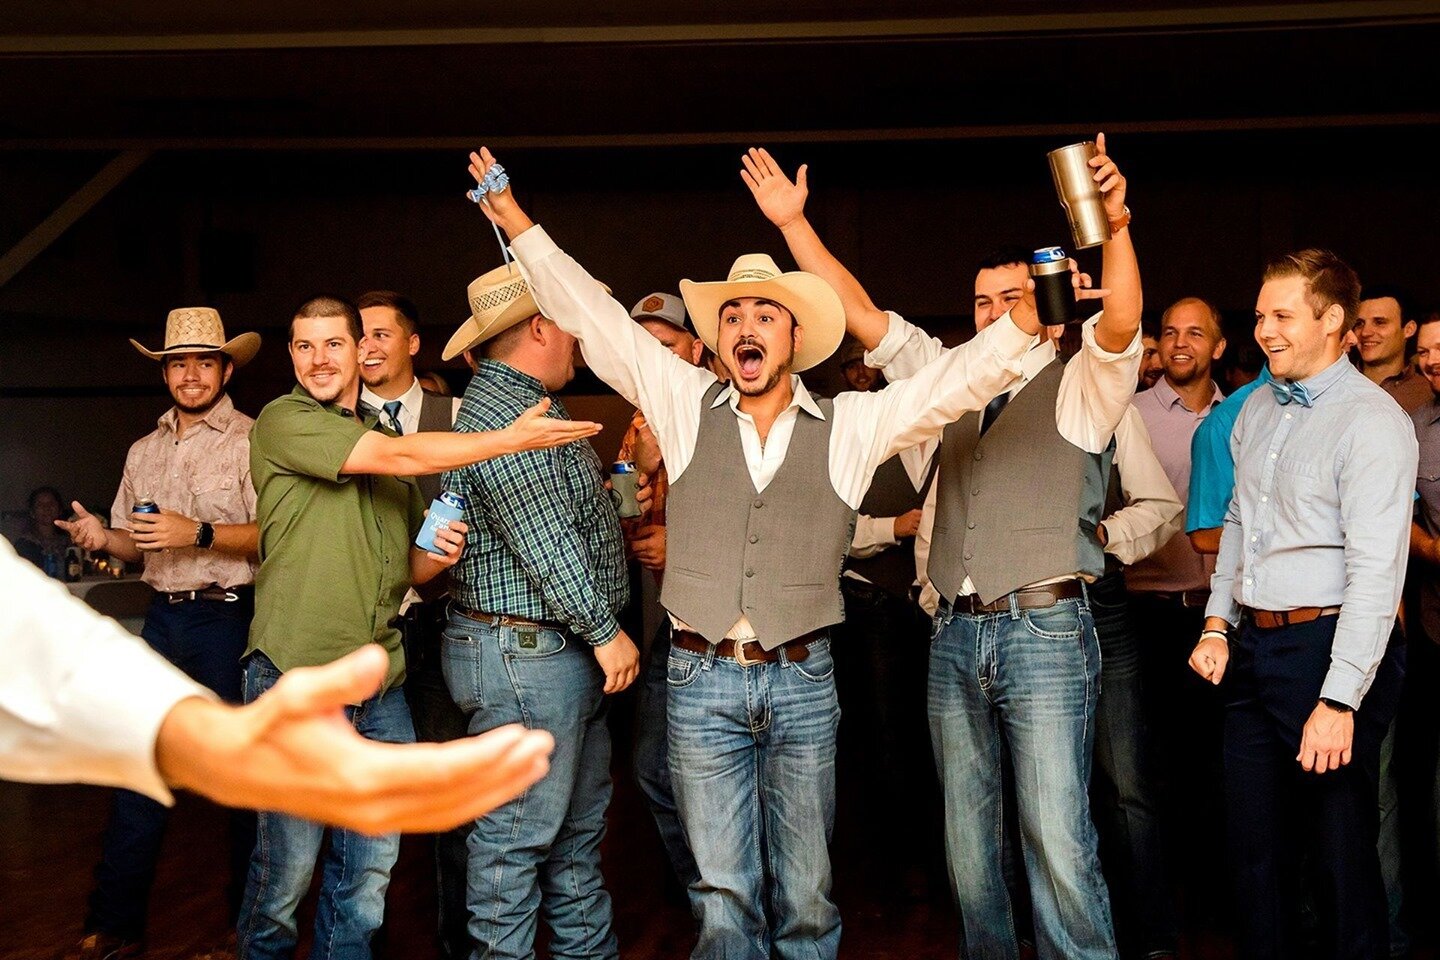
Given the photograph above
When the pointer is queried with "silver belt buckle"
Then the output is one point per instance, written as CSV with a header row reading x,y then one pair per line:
x,y
740,654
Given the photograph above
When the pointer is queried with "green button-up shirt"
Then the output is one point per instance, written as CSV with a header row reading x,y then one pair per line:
x,y
334,550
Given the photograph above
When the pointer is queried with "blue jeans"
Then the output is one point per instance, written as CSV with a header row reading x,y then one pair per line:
x,y
357,867
652,761
752,757
1127,805
1028,679
539,854
204,638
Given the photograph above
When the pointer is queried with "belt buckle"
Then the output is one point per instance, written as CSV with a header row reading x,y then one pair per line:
x,y
740,657
174,598
230,596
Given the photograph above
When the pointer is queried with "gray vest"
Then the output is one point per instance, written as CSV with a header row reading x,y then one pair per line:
x,y
435,412
892,493
1020,504
773,556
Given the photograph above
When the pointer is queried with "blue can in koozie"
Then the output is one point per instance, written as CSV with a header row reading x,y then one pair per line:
x,y
145,505
443,509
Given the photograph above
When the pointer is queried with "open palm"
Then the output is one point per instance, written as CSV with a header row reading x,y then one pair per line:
x,y
781,201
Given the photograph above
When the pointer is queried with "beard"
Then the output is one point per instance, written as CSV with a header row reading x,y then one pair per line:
x,y
194,409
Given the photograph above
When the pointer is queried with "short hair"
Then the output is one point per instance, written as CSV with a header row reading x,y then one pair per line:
x,y
403,306
1382,290
1215,317
504,343
1246,356
39,492
1427,317
1005,255
1328,280
329,305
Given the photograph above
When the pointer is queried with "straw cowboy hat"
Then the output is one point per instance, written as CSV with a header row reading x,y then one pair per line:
x,y
199,330
815,305
498,300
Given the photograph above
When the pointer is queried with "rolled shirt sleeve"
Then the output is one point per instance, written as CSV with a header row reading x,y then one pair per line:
x,y
1151,515
81,700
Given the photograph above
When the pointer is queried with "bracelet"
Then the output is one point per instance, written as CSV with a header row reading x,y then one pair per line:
x,y
1213,633
1120,222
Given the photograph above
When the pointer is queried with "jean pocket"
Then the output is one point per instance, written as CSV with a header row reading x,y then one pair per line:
x,y
681,671
460,666
818,667
1060,622
531,643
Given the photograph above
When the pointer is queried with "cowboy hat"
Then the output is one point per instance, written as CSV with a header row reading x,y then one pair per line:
x,y
199,330
815,305
498,300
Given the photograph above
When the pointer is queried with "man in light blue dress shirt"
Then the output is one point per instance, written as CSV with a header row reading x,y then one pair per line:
x,y
1311,562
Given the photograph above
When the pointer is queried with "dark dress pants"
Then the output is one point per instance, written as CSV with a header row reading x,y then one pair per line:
x,y
1276,809
205,639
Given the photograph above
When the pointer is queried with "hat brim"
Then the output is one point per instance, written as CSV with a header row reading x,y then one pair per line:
x,y
472,333
814,303
241,350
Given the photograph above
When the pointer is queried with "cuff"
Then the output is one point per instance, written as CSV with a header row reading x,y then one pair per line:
x,y
1087,336
1223,605
895,337
601,634
1343,685
534,244
1008,341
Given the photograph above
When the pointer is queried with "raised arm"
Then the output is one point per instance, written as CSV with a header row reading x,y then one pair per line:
x,y
1120,272
419,454
783,203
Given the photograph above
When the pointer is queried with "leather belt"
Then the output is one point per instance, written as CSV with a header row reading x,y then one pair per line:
x,y
216,593
747,652
1270,619
1185,598
1029,598
503,620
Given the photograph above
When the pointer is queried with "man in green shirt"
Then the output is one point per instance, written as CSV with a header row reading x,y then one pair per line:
x,y
337,507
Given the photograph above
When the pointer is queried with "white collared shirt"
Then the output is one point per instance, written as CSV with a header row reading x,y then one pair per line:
x,y
81,700
868,427
410,402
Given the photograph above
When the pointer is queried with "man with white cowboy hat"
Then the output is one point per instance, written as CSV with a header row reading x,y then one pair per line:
x,y
199,556
532,636
764,484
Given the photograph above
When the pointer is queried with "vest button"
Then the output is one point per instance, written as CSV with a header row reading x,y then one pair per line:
x,y
974,491
978,454
970,525
968,555
754,538
750,572
759,503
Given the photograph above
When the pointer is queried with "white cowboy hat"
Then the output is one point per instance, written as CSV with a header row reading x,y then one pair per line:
x,y
498,300
199,330
814,303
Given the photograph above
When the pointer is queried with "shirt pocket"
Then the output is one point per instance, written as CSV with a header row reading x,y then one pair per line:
x,y
1299,489
218,499
1427,484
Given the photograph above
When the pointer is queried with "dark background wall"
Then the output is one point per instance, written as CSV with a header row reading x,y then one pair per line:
x,y
270,174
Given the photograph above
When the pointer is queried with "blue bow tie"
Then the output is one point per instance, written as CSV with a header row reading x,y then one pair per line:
x,y
1286,392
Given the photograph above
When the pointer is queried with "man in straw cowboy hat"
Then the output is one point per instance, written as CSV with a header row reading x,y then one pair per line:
x,y
199,555
337,507
533,636
764,484
1016,661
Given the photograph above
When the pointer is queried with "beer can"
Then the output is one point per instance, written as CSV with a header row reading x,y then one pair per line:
x,y
145,505
623,466
624,482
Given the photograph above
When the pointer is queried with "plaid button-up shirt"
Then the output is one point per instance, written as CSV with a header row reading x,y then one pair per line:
x,y
544,541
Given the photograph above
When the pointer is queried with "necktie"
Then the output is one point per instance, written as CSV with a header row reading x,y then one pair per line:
x,y
1288,392
392,410
992,410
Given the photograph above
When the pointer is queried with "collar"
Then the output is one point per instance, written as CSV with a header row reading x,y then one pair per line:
x,y
217,417
1325,379
1037,358
1168,397
1405,374
369,418
409,400
800,397
501,372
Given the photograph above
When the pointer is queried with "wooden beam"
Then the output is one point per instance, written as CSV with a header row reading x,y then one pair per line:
x,y
79,203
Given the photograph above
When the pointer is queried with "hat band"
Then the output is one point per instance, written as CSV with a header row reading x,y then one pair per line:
x,y
186,346
752,275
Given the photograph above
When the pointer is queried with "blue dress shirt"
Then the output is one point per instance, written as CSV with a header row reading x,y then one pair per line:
x,y
1321,516
1212,467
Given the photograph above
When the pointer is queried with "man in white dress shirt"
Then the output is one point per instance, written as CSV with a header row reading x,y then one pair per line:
x,y
764,485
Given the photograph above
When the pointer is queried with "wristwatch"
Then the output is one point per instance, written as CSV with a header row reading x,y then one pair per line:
x,y
204,535
1122,221
1337,705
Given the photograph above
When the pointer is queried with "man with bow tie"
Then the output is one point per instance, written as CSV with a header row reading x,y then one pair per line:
x,y
1312,558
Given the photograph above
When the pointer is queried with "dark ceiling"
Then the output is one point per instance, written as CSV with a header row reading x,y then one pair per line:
x,y
82,74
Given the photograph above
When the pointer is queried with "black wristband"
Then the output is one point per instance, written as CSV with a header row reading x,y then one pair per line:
x,y
205,536
1337,705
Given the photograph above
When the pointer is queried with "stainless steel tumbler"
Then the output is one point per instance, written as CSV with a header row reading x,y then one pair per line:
x,y
1079,194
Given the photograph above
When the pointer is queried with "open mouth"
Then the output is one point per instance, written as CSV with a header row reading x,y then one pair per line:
x,y
749,358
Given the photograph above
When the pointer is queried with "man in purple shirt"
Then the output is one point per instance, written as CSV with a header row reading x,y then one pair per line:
x,y
1169,588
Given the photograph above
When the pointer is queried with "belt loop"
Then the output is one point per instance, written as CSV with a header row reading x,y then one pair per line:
x,y
1014,599
709,655
1085,593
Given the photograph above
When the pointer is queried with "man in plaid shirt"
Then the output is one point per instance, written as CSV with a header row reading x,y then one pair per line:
x,y
532,635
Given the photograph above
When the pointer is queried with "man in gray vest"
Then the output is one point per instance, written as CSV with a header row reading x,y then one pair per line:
x,y
764,484
1016,662
391,390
